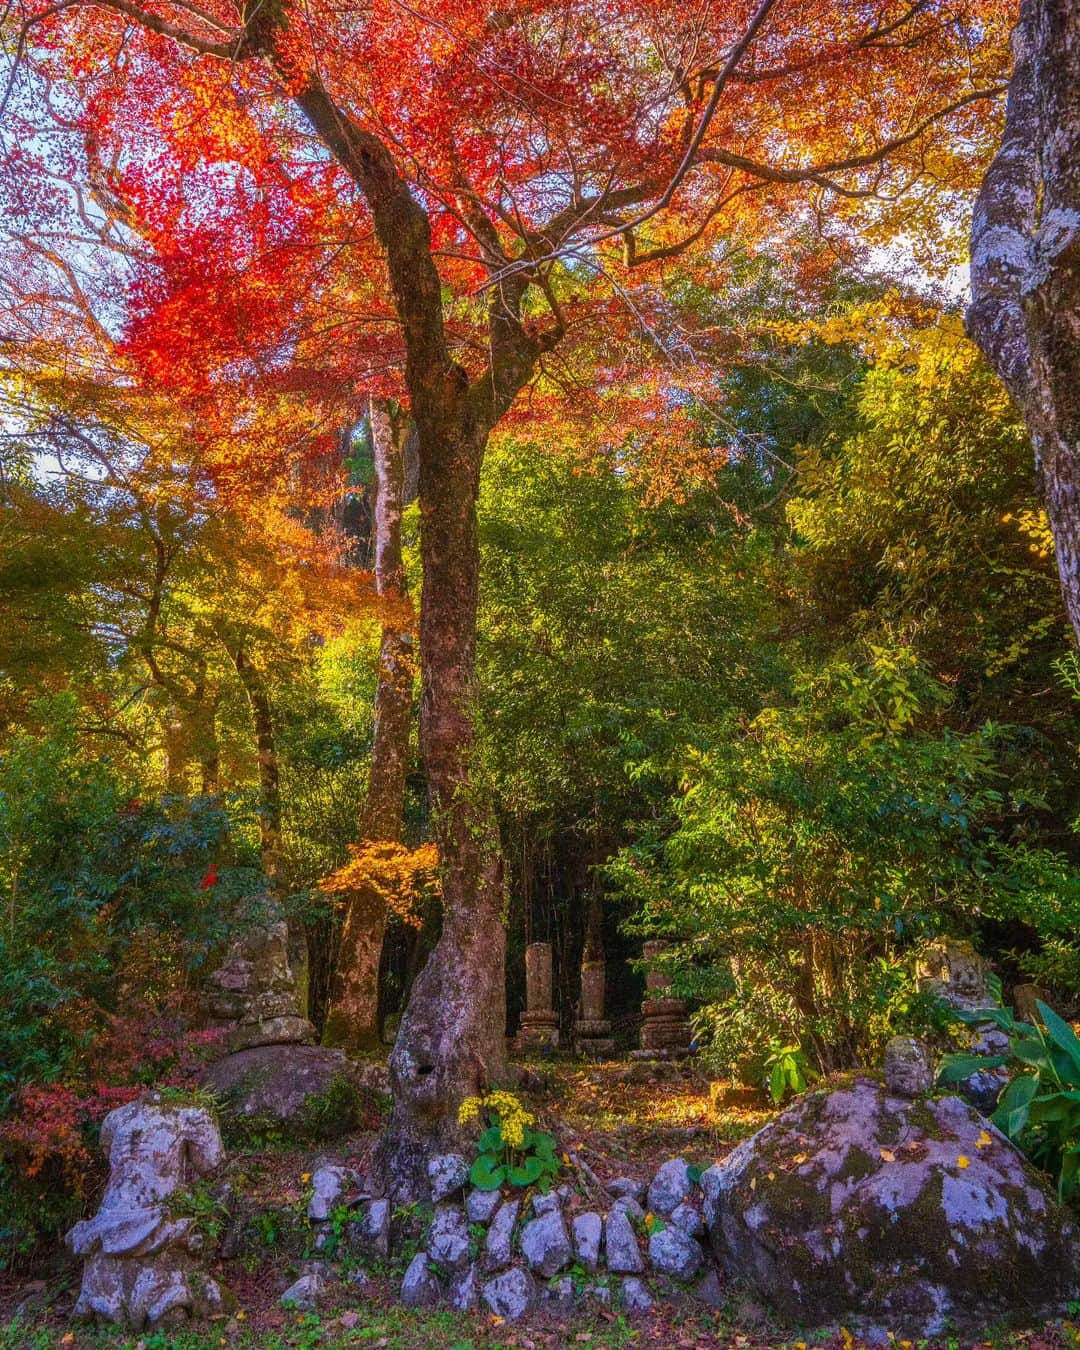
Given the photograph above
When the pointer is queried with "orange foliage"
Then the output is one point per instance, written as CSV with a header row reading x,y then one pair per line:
x,y
398,875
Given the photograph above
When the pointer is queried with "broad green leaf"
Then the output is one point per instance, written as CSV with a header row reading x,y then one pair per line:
x,y
955,1068
490,1141
487,1172
531,1170
1060,1033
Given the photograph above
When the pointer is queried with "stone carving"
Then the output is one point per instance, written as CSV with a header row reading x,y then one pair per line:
x,y
142,1267
956,972
539,1028
253,994
665,1028
909,1067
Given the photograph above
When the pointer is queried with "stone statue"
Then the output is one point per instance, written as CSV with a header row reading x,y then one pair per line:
x,y
142,1267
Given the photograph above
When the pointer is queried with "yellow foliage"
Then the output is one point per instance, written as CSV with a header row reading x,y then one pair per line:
x,y
513,1118
396,873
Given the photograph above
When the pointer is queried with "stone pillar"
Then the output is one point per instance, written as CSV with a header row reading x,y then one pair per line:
x,y
539,1028
665,1028
592,1031
253,995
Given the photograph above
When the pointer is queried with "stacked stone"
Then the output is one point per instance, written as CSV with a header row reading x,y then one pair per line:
x,y
539,1029
956,974
143,1266
487,1249
335,1186
253,996
592,1031
665,1027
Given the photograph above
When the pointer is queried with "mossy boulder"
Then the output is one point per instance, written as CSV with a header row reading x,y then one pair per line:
x,y
890,1215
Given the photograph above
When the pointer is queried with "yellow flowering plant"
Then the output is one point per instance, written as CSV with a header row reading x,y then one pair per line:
x,y
509,1151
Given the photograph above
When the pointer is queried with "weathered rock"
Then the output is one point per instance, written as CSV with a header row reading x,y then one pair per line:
x,y
465,1290
862,1206
561,1293
588,1232
447,1174
629,1207
274,1082
708,1290
621,1245
627,1186
497,1248
546,1204
675,1253
597,1293
141,1269
305,1293
481,1205
982,1089
909,1068
539,1028
687,1218
371,1232
421,1287
329,1185
1025,997
545,1244
253,995
634,1296
510,1294
448,1240
670,1187
954,971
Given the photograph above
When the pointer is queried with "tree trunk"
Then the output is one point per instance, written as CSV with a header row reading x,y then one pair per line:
x,y
451,1043
1025,263
269,776
353,1020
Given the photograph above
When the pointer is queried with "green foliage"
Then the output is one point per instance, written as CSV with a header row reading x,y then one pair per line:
x,y
787,1071
1040,1108
509,1152
97,886
532,1163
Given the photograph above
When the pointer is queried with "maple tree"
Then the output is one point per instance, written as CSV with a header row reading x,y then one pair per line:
x,y
449,208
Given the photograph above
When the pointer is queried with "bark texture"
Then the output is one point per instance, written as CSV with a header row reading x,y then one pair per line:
x,y
1025,263
451,1043
353,1020
262,719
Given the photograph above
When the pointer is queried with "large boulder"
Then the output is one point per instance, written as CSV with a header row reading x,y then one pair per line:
x,y
883,1212
276,1082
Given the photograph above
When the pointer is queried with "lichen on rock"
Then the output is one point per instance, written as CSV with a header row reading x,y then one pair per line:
x,y
863,1206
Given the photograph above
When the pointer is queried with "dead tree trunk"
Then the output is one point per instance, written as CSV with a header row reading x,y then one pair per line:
x,y
1025,263
353,1020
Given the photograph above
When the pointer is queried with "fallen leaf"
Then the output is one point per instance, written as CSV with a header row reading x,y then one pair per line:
x,y
983,1141
887,1155
963,1162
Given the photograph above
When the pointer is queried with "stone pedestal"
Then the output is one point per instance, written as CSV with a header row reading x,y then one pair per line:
x,y
592,1031
253,995
665,1027
539,1029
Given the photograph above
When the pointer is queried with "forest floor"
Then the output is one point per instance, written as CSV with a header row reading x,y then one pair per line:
x,y
616,1126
